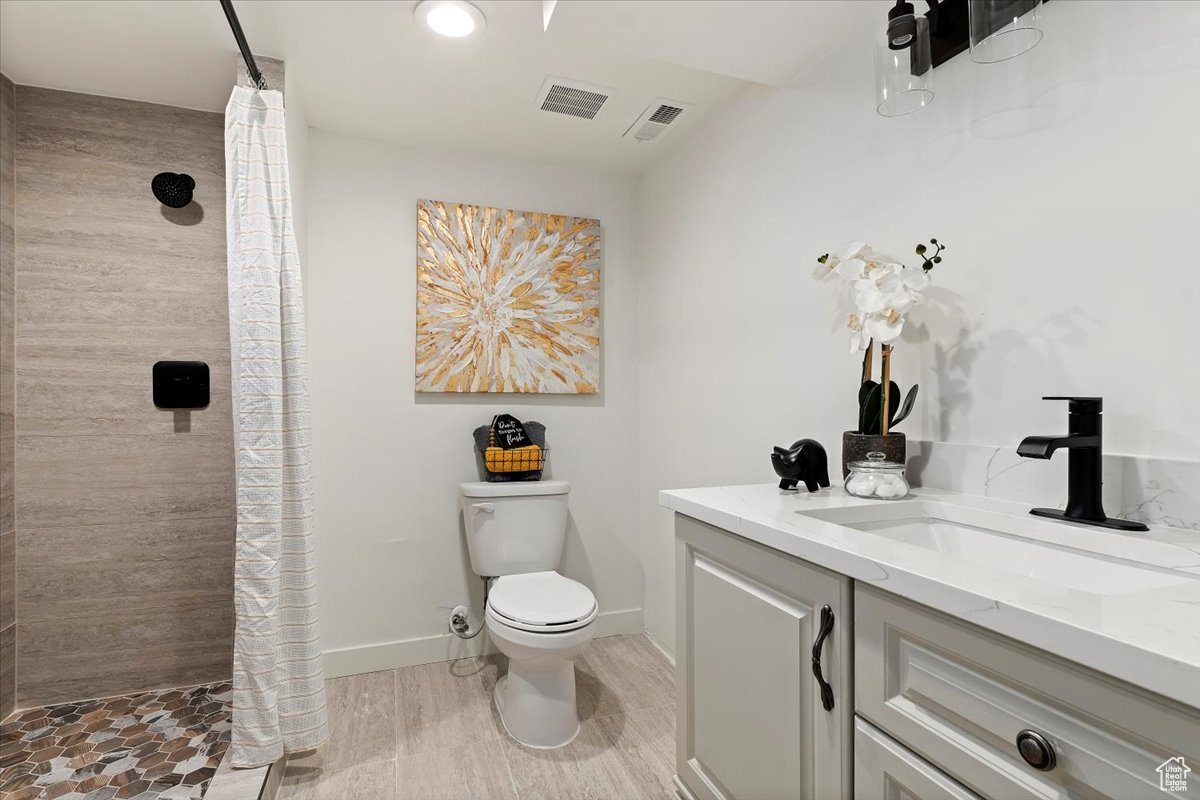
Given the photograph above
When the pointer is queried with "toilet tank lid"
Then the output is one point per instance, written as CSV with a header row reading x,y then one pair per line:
x,y
513,488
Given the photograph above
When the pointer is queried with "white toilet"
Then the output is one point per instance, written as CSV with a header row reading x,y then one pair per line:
x,y
536,617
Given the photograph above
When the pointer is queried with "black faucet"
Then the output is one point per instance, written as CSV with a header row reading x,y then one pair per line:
x,y
1084,478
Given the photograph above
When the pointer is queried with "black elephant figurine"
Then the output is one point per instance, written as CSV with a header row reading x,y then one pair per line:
x,y
803,461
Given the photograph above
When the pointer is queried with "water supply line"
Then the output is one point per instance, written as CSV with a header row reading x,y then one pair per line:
x,y
460,624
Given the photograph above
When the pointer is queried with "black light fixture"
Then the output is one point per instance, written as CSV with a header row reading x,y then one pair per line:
x,y
903,63
914,45
902,25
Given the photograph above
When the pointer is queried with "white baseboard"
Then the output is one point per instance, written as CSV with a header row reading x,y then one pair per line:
x,y
681,791
669,655
447,647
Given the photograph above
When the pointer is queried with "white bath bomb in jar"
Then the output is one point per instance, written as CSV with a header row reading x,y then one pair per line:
x,y
861,485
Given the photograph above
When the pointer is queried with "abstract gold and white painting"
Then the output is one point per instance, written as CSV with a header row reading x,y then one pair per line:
x,y
507,301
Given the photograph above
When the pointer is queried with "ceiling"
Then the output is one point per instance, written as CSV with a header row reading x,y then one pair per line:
x,y
366,69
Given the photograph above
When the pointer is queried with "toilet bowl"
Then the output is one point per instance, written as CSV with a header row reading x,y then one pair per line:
x,y
541,621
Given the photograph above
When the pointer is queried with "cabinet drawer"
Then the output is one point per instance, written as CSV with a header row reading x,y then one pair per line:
x,y
961,696
884,769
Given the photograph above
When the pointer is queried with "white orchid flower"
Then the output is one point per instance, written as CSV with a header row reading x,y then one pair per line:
x,y
825,271
868,299
852,250
883,291
915,279
901,299
851,269
879,263
887,275
884,328
859,340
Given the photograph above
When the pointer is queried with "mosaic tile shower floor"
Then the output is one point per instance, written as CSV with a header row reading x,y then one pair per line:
x,y
162,745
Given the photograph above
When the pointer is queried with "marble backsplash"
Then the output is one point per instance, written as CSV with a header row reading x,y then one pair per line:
x,y
1156,491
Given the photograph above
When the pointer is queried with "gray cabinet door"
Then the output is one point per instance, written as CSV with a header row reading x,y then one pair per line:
x,y
751,725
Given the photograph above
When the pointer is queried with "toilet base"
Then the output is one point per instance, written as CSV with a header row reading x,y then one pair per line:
x,y
537,706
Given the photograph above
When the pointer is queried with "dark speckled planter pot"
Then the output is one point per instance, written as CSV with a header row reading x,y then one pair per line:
x,y
855,447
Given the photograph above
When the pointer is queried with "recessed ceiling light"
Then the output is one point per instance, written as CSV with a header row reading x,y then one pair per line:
x,y
453,18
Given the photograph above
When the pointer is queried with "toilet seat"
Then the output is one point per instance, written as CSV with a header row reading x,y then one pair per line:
x,y
541,602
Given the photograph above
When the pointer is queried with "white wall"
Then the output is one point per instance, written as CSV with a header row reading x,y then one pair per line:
x,y
1065,184
387,462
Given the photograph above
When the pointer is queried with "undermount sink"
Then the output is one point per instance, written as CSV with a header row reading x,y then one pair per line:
x,y
1066,556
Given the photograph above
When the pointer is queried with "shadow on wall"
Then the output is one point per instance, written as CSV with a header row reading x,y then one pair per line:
x,y
1035,350
581,566
191,214
953,363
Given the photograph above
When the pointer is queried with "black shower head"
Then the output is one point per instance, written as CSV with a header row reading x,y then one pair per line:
x,y
172,189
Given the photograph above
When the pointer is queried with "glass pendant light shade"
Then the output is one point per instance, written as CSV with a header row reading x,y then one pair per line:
x,y
1002,29
902,77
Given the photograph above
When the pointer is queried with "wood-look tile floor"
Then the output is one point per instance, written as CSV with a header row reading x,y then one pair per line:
x,y
432,732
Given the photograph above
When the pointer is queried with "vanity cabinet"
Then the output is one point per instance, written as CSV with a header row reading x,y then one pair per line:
x,y
1004,719
926,706
751,722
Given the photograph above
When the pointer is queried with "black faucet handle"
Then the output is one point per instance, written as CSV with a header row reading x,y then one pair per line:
x,y
1081,405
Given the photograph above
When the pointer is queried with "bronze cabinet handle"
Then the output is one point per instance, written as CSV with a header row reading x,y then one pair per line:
x,y
826,629
1036,749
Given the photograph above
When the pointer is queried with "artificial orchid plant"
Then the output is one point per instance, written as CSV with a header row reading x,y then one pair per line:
x,y
883,290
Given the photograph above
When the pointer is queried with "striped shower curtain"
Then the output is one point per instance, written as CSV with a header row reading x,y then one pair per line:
x,y
278,681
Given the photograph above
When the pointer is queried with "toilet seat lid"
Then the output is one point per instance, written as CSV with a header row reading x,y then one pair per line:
x,y
541,598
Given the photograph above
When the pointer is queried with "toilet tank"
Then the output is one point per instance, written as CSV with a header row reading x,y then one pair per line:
x,y
514,527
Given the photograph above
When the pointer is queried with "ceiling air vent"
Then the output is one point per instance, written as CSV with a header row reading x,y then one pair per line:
x,y
656,118
572,98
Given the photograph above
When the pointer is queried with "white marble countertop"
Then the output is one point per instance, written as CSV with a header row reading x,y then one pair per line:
x,y
1149,637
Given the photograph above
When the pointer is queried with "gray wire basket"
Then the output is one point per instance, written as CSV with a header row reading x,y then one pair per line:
x,y
537,434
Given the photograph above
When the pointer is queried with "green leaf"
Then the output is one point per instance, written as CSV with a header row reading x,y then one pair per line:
x,y
868,408
893,401
823,258
920,249
933,241
865,389
870,414
937,259
905,409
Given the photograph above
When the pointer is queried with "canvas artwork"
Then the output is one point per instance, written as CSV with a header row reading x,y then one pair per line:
x,y
507,301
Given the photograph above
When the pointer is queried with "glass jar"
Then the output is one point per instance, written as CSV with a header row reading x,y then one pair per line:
x,y
877,478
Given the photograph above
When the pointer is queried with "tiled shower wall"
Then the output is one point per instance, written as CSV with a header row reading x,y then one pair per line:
x,y
124,513
8,537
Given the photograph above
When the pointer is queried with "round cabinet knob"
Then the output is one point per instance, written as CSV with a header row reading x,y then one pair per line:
x,y
1036,750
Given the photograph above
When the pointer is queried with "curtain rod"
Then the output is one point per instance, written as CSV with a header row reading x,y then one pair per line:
x,y
256,76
